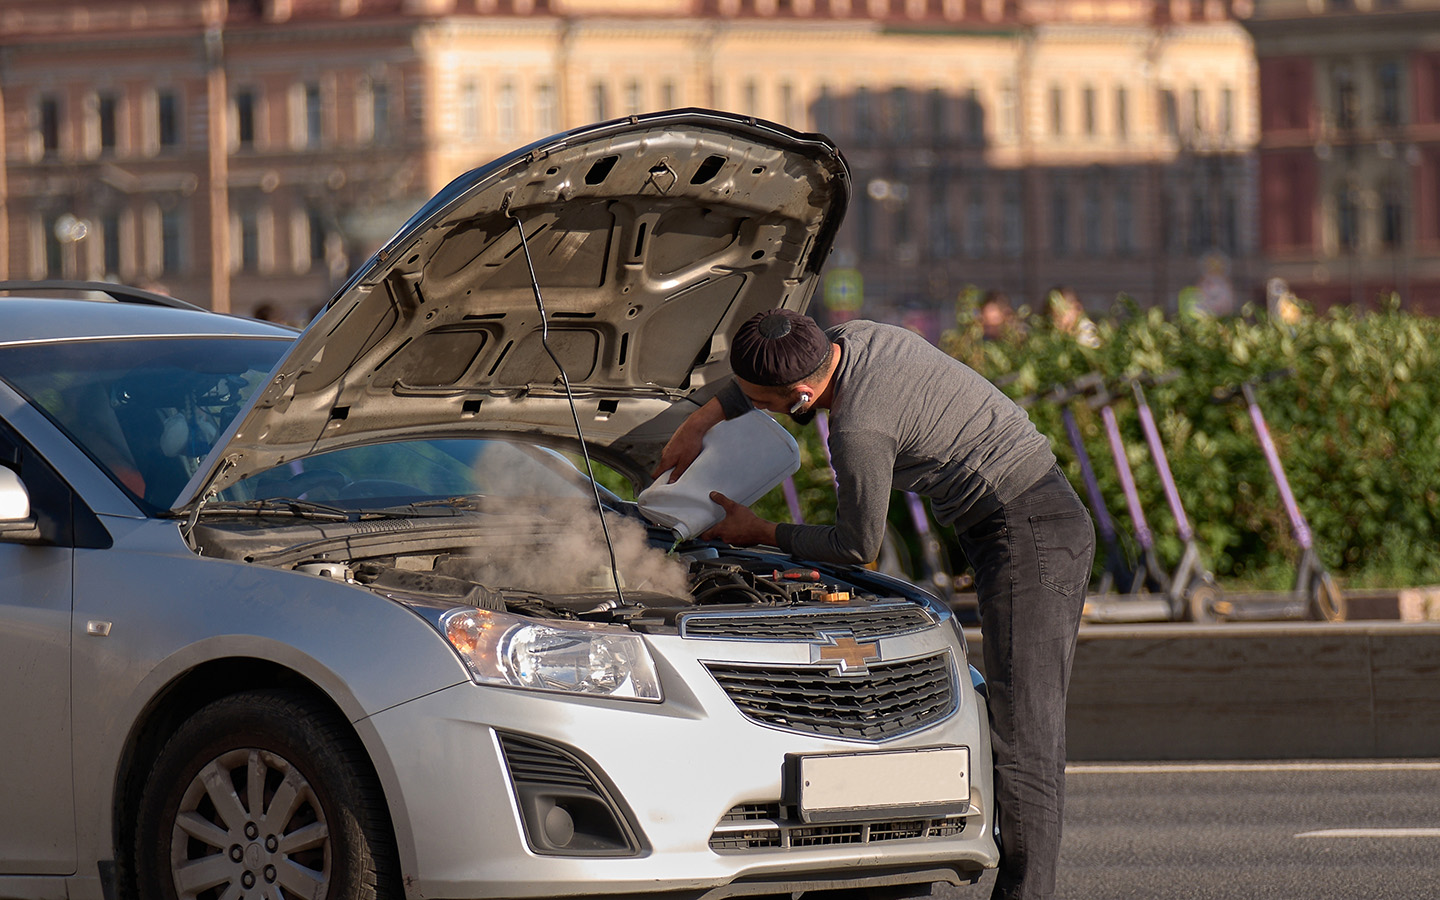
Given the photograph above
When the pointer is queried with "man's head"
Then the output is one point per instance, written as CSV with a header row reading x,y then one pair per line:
x,y
782,360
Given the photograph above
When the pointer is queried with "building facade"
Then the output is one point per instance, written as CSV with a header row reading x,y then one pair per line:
x,y
1349,150
249,154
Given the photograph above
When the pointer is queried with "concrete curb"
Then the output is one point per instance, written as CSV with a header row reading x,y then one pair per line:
x,y
1253,691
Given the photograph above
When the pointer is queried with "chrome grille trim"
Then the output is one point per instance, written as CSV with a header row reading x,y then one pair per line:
x,y
806,624
886,700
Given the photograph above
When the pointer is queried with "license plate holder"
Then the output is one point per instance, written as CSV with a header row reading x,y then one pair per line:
x,y
912,784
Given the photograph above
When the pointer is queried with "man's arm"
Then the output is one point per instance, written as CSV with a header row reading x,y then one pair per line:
x,y
865,473
689,439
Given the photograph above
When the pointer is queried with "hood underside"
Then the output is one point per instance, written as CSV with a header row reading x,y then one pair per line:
x,y
652,239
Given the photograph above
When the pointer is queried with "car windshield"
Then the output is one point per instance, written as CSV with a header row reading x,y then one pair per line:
x,y
147,410
418,471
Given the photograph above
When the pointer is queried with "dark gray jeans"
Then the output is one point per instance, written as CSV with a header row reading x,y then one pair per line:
x,y
1032,562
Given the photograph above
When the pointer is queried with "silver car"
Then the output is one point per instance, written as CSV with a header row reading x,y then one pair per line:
x,y
344,614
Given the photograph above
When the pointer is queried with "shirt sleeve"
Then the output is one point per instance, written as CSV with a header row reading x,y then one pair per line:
x,y
733,401
864,463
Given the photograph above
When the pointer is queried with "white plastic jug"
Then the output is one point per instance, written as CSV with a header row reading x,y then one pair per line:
x,y
743,458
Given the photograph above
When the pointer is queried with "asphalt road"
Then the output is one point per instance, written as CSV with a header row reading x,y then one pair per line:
x,y
1339,830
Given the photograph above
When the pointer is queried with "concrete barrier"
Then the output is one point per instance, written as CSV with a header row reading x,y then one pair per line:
x,y
1253,691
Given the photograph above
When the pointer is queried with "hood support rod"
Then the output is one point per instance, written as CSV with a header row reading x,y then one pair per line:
x,y
569,395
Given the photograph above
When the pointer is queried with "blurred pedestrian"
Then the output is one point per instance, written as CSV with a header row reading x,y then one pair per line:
x,y
998,321
1068,316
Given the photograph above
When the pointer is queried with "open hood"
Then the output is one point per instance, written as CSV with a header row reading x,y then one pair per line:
x,y
652,239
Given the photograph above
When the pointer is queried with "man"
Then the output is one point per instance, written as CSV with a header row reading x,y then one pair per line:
x,y
905,415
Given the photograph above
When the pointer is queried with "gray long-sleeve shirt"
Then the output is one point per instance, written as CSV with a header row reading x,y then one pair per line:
x,y
906,415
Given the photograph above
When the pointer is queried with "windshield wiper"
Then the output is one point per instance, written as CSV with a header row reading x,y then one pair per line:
x,y
304,509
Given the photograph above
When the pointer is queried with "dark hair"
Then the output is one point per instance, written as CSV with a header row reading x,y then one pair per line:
x,y
778,348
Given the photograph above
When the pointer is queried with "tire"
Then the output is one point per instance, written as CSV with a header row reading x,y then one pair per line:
x,y
203,833
1204,601
1327,601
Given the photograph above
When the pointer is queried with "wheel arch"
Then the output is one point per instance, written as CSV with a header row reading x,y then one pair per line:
x,y
181,698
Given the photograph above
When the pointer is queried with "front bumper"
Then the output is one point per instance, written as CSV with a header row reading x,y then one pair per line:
x,y
701,788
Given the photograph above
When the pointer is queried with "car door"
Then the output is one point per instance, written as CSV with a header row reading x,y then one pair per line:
x,y
37,826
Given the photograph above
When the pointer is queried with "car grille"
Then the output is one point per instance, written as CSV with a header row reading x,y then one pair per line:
x,y
806,625
758,826
886,700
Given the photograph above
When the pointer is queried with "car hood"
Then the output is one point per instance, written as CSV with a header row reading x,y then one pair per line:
x,y
652,239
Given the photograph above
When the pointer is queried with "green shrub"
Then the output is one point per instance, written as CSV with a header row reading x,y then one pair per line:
x,y
1355,426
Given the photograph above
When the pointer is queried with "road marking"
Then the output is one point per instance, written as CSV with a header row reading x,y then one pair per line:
x,y
1307,766
1371,833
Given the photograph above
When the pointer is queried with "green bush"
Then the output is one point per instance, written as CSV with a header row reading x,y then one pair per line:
x,y
1355,425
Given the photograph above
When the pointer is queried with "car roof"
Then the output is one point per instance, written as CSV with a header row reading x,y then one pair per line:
x,y
27,319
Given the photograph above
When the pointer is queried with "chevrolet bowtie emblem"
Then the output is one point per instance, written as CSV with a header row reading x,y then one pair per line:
x,y
850,654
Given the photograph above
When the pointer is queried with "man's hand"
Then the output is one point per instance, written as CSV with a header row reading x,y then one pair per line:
x,y
688,440
740,526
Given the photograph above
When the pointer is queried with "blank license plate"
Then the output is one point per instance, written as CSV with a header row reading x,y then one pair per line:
x,y
913,783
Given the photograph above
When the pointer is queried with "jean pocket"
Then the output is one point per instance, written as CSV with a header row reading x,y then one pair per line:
x,y
1064,549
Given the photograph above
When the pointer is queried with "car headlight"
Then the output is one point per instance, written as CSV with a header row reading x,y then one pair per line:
x,y
574,657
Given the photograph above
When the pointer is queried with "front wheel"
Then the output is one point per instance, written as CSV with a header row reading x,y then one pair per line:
x,y
264,795
1327,601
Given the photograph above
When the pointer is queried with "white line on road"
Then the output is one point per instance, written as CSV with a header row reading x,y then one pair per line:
x,y
1203,767
1371,833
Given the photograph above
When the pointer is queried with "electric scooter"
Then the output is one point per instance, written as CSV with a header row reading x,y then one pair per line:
x,y
1190,593
1314,586
1117,570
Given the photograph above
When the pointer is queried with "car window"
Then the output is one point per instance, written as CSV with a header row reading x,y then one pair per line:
x,y
416,471
147,410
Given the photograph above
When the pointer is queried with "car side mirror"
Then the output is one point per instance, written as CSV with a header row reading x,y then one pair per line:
x,y
16,523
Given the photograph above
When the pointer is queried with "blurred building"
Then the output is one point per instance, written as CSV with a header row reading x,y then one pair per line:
x,y
1350,149
249,154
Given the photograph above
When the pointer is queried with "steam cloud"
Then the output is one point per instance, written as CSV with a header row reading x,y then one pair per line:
x,y
559,547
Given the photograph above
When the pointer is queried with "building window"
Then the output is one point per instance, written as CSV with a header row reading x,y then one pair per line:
x,y
1388,78
1012,219
172,236
1122,114
1199,219
824,110
1346,99
1088,110
1092,214
1229,223
667,98
789,114
599,101
935,114
469,109
974,118
941,239
314,116
1124,216
900,127
505,112
167,119
975,222
1197,113
1009,113
380,111
1059,217
864,126
1057,111
1347,221
315,251
106,112
1392,219
752,98
1227,112
247,257
110,243
545,107
49,122
634,102
54,250
1170,115
245,119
